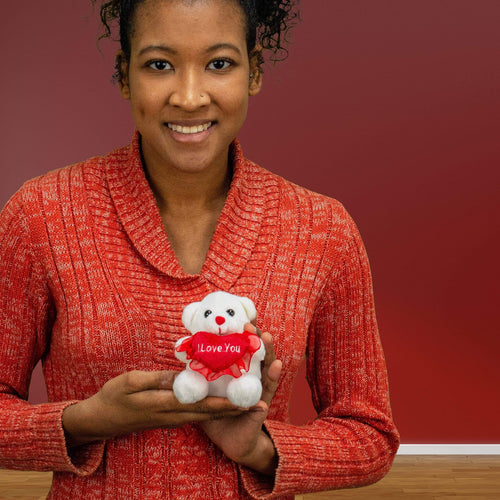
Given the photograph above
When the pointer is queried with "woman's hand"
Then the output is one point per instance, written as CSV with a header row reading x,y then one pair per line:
x,y
241,437
137,401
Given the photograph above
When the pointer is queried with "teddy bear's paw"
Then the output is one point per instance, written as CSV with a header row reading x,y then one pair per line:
x,y
244,391
190,387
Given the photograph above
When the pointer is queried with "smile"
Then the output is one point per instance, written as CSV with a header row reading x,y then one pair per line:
x,y
189,130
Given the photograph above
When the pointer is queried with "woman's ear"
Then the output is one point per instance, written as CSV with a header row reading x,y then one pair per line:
x,y
256,62
121,65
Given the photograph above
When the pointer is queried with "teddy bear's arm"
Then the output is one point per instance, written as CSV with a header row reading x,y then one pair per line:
x,y
181,356
261,353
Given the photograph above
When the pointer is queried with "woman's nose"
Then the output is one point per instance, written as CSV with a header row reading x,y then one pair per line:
x,y
188,92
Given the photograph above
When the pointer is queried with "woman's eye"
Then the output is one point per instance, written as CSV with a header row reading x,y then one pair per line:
x,y
219,64
159,65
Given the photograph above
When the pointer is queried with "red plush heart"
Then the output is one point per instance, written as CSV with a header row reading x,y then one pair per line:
x,y
216,352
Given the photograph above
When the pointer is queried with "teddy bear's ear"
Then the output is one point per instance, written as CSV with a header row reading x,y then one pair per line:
x,y
249,307
188,314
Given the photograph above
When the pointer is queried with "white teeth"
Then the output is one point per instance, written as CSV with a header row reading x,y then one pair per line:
x,y
189,130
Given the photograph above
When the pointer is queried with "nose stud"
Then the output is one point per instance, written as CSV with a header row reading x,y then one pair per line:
x,y
220,320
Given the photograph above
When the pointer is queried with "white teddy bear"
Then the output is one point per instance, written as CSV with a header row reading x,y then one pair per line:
x,y
222,358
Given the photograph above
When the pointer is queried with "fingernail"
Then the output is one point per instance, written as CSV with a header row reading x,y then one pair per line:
x,y
257,409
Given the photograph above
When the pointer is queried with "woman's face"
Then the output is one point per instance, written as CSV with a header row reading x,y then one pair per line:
x,y
188,81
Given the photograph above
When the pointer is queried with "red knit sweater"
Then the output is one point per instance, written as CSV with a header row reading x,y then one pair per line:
x,y
90,285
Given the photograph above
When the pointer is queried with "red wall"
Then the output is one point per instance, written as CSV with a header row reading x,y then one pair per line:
x,y
391,107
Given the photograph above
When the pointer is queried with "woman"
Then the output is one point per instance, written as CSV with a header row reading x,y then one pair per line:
x,y
101,258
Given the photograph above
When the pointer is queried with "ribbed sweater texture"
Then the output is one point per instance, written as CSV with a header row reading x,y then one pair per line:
x,y
90,285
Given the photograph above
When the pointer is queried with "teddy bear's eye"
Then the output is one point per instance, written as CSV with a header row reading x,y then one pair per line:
x,y
208,312
230,312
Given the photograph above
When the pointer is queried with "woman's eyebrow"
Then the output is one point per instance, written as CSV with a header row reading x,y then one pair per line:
x,y
162,48
225,45
170,50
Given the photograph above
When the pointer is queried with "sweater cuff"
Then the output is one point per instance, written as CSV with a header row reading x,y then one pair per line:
x,y
317,458
84,459
289,479
44,448
259,486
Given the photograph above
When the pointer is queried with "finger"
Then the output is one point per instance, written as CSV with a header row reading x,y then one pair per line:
x,y
274,370
164,401
250,327
214,404
260,407
270,378
138,381
257,414
166,410
184,418
209,405
166,379
270,356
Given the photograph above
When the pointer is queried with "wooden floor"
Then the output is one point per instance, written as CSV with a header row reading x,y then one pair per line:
x,y
430,478
412,477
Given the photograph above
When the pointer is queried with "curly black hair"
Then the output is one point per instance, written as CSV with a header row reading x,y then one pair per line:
x,y
268,22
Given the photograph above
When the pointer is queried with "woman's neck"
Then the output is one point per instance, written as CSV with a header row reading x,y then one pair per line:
x,y
181,192
188,193
190,204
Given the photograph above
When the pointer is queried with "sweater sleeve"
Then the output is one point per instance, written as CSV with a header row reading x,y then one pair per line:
x,y
31,436
353,440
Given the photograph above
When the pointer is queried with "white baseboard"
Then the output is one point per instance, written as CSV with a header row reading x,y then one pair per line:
x,y
449,449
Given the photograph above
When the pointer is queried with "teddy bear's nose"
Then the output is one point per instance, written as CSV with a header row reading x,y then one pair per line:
x,y
220,320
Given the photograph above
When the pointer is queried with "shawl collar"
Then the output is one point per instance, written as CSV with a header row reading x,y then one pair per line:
x,y
237,229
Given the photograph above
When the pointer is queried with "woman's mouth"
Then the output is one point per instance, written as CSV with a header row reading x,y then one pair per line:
x,y
188,130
